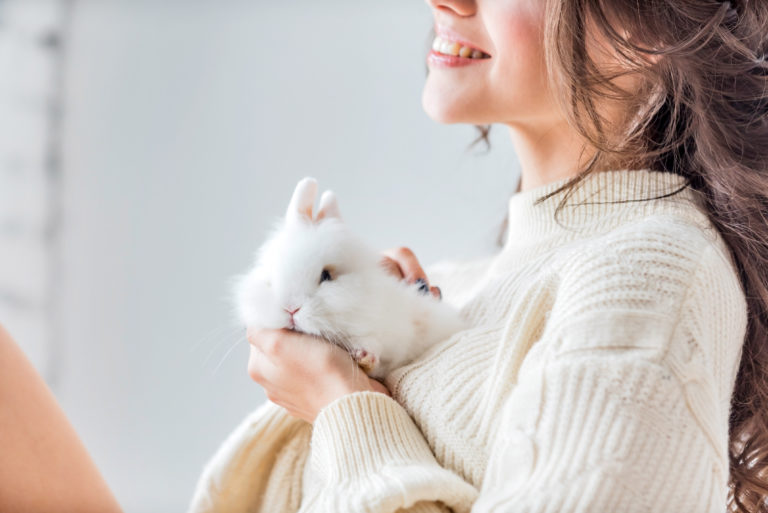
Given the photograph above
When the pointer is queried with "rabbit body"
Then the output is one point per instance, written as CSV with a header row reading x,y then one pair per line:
x,y
314,276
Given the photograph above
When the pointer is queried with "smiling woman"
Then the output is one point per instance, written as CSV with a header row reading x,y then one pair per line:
x,y
603,367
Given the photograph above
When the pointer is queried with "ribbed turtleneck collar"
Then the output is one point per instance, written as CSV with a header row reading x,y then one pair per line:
x,y
601,201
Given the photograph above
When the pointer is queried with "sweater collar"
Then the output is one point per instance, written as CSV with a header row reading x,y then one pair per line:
x,y
599,202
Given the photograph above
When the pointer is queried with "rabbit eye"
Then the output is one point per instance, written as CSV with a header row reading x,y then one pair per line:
x,y
325,276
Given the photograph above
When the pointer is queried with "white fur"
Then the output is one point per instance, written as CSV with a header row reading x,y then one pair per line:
x,y
363,307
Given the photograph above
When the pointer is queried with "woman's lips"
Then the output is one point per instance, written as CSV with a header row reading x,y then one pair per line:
x,y
452,61
448,33
452,54
447,46
449,50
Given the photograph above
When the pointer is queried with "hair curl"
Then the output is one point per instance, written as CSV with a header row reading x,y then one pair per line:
x,y
701,112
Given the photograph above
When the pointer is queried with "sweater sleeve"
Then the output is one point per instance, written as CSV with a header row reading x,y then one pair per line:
x,y
256,466
626,409
367,455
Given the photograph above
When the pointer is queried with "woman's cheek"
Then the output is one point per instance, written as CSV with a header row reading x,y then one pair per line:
x,y
519,81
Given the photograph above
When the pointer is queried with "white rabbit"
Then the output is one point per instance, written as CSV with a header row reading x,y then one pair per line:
x,y
314,276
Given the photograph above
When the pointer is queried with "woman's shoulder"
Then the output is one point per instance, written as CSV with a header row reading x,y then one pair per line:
x,y
651,272
666,242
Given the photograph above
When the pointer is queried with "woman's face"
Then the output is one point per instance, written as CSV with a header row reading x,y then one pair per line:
x,y
510,86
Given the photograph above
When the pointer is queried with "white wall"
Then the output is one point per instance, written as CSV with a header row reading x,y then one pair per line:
x,y
187,125
28,96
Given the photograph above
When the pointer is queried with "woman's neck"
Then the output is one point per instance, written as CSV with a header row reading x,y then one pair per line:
x,y
547,152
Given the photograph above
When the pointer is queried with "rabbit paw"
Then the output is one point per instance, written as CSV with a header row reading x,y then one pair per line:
x,y
366,360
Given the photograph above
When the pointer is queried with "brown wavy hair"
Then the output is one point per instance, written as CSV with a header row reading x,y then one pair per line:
x,y
701,111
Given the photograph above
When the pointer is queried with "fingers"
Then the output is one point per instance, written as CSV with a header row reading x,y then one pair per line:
x,y
266,350
280,355
403,264
266,341
409,266
255,364
392,267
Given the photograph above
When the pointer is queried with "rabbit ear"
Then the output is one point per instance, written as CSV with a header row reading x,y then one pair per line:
x,y
303,200
329,207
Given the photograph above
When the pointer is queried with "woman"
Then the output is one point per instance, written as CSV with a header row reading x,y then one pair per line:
x,y
615,360
602,372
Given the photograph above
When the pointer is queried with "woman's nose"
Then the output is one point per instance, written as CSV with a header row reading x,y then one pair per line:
x,y
457,7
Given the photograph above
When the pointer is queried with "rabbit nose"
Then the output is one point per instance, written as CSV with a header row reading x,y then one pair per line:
x,y
292,312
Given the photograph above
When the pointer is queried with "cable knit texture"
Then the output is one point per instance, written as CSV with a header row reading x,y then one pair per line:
x,y
596,376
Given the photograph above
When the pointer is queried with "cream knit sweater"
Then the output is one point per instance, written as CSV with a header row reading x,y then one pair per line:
x,y
597,377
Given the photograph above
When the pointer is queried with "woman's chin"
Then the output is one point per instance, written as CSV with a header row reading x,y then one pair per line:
x,y
445,110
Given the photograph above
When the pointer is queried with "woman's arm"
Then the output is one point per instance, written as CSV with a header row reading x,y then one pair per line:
x,y
44,465
368,455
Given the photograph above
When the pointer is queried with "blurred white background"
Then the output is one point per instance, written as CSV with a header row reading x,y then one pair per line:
x,y
184,127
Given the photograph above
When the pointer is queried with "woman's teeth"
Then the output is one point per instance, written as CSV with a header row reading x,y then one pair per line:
x,y
445,47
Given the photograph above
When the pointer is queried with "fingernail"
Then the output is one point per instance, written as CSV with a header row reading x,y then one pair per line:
x,y
423,287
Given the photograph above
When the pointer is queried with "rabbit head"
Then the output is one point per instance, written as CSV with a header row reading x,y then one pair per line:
x,y
312,275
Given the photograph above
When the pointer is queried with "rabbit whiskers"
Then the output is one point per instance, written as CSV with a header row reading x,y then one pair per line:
x,y
342,343
238,341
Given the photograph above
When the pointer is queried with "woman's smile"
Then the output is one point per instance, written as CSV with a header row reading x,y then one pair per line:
x,y
507,83
436,58
449,49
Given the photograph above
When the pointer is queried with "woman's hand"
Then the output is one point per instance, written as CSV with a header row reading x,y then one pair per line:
x,y
402,263
303,373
